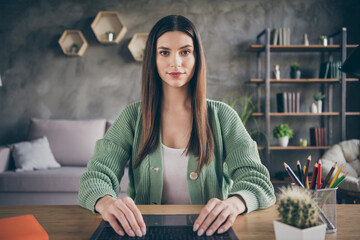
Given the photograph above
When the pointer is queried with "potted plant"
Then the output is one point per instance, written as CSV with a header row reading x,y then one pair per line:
x,y
324,40
316,107
74,48
110,35
295,70
298,214
282,133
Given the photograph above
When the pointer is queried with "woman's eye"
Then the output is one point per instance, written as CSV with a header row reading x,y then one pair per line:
x,y
164,53
185,52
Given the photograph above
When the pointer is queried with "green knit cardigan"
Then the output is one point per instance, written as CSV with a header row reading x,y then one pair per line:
x,y
236,168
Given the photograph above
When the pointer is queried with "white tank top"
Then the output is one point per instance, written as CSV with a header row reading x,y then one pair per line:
x,y
175,190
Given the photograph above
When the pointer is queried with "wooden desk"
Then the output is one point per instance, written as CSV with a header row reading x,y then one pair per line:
x,y
75,222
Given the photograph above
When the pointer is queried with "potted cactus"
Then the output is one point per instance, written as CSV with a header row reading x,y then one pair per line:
x,y
74,48
298,214
295,70
282,133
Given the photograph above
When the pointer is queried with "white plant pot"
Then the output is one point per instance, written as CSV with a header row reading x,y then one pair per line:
x,y
313,108
110,37
319,106
324,42
284,141
285,232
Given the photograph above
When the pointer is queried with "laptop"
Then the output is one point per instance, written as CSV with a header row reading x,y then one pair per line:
x,y
169,227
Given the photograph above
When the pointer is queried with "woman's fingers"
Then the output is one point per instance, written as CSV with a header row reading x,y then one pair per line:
x,y
127,218
230,221
218,215
199,223
123,220
137,214
222,214
113,223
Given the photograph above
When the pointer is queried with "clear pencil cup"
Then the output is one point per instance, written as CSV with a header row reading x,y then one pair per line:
x,y
326,200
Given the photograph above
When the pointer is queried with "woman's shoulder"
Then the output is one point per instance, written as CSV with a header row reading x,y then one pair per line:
x,y
219,108
130,112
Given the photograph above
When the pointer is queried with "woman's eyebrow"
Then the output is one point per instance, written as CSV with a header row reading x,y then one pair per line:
x,y
165,48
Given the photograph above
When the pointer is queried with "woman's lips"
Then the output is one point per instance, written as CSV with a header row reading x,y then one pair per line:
x,y
175,74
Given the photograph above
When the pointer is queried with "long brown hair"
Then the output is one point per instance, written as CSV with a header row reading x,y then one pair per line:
x,y
201,142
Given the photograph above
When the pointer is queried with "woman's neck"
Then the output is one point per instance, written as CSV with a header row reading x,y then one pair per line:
x,y
175,99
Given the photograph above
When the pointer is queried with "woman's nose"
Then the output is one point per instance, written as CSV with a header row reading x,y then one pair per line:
x,y
176,61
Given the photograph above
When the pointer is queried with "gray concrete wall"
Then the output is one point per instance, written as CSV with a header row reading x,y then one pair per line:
x,y
40,81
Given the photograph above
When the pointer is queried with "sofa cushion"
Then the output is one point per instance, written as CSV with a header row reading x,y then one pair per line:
x,y
71,141
35,154
4,159
64,179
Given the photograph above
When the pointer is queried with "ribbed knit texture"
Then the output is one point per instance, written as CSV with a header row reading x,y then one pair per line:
x,y
235,170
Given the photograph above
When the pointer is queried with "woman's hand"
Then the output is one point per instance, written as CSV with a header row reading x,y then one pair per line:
x,y
123,211
221,214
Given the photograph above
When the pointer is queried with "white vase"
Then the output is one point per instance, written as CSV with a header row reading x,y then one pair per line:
x,y
283,141
284,232
313,108
319,106
110,37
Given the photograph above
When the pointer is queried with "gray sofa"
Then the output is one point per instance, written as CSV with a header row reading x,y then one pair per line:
x,y
72,144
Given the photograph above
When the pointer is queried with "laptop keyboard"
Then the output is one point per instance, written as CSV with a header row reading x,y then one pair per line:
x,y
164,232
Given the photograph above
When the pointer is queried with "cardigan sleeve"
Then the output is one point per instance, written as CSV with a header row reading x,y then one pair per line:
x,y
106,168
251,179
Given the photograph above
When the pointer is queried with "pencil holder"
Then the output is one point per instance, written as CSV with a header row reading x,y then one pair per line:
x,y
326,199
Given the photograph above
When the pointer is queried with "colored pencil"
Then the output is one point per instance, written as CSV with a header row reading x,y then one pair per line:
x,y
336,175
326,181
299,170
314,175
306,183
307,168
318,182
339,180
293,175
323,217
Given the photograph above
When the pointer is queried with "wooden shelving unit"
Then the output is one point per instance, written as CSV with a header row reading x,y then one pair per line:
x,y
299,114
108,21
266,81
308,80
295,148
137,46
71,37
298,48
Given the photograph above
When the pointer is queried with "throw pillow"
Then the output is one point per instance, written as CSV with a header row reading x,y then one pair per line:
x,y
33,155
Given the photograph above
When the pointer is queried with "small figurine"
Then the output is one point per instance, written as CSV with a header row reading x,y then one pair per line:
x,y
306,40
277,72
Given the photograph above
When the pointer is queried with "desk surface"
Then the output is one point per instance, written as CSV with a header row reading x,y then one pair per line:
x,y
75,222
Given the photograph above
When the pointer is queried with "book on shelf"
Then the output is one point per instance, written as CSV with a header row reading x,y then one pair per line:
x,y
330,69
318,136
288,102
280,36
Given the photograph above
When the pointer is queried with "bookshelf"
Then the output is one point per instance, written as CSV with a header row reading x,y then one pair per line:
x,y
266,83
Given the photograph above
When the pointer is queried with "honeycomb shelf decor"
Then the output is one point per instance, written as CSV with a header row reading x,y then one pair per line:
x,y
108,27
137,46
73,43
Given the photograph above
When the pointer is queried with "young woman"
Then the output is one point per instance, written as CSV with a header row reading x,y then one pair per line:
x,y
182,148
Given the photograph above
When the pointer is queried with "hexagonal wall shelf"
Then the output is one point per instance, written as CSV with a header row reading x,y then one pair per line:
x,y
137,46
107,22
73,43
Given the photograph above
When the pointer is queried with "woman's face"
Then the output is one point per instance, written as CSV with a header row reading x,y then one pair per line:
x,y
175,58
